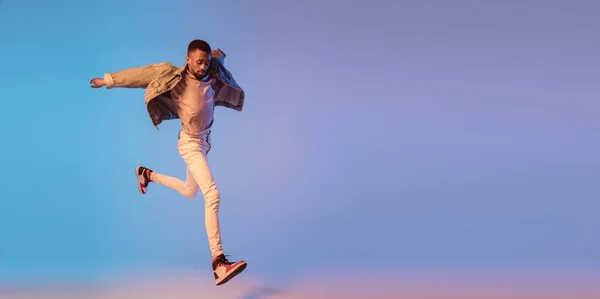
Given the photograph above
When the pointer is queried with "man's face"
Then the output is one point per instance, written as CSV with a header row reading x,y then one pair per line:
x,y
198,62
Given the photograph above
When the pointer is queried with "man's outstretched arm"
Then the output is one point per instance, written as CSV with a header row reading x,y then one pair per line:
x,y
138,77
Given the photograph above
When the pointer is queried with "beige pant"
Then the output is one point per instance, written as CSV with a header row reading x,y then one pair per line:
x,y
194,150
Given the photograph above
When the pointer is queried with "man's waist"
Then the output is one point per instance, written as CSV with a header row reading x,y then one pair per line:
x,y
195,133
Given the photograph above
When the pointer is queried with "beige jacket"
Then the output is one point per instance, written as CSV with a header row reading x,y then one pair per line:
x,y
159,78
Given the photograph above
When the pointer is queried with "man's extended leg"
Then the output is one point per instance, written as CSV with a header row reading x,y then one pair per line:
x,y
193,151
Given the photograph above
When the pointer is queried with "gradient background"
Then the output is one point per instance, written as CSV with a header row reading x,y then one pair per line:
x,y
376,136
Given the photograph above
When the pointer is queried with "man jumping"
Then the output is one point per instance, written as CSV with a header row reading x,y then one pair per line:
x,y
188,93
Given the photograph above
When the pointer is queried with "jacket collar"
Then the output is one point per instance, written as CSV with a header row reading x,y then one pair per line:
x,y
180,70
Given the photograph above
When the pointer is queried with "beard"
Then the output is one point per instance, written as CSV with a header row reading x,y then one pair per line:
x,y
197,75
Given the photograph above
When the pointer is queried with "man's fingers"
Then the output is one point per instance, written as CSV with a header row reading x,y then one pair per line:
x,y
93,84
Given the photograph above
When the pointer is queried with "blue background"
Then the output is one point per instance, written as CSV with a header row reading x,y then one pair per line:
x,y
381,136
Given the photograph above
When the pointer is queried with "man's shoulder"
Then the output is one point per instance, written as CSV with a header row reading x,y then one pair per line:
x,y
167,69
165,66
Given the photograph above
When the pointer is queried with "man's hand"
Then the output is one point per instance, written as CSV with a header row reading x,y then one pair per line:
x,y
97,83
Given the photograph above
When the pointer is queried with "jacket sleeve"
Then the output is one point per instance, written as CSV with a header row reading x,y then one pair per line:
x,y
138,77
219,56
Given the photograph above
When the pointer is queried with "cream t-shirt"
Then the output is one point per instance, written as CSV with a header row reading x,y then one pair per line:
x,y
195,103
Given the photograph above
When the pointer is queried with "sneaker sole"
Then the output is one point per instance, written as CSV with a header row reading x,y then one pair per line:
x,y
137,170
233,274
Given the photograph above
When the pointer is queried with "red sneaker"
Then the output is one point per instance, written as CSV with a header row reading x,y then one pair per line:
x,y
225,270
143,176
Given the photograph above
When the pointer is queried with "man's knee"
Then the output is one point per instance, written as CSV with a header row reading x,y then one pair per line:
x,y
190,192
211,196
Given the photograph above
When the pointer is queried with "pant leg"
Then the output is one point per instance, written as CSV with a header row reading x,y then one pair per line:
x,y
189,188
193,151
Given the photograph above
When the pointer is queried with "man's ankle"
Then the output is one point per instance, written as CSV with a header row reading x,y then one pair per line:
x,y
148,175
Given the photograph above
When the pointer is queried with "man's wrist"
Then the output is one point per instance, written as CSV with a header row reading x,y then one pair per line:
x,y
108,81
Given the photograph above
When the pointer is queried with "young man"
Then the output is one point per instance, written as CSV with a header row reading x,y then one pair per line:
x,y
188,93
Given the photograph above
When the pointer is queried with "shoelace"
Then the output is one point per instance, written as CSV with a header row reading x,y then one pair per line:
x,y
225,261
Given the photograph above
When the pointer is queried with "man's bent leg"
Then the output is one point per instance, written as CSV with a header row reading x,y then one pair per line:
x,y
189,188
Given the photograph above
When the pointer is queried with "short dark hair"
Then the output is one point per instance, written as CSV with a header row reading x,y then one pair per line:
x,y
199,44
